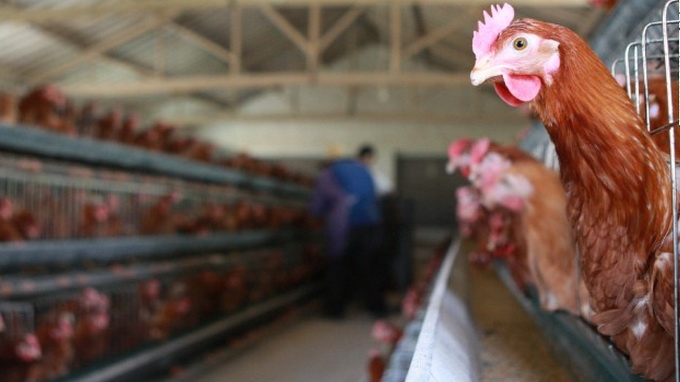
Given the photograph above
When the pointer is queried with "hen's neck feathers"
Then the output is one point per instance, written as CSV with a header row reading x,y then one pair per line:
x,y
603,146
583,94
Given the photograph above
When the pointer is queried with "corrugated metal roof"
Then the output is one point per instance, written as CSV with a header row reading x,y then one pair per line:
x,y
30,51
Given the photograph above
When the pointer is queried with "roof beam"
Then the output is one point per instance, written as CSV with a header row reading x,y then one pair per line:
x,y
340,26
452,55
160,44
42,15
236,39
260,81
314,35
298,3
419,117
97,50
284,26
421,29
395,37
40,76
201,41
141,70
433,37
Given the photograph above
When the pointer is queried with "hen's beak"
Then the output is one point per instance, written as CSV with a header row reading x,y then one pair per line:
x,y
484,69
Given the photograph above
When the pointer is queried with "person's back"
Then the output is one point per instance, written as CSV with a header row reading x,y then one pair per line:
x,y
356,181
383,184
345,194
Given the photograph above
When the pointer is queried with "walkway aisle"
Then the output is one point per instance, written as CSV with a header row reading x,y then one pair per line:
x,y
312,350
316,349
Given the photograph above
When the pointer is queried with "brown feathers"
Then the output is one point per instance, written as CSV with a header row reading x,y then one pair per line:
x,y
619,186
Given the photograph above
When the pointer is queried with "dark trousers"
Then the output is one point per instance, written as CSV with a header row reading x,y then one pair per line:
x,y
360,271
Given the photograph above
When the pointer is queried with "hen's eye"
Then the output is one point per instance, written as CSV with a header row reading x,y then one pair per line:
x,y
520,43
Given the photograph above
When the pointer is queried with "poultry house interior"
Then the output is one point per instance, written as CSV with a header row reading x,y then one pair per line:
x,y
339,190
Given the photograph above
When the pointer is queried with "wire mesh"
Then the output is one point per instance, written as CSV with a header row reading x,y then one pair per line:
x,y
53,200
77,328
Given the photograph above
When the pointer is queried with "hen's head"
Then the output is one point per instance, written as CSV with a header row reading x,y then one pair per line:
x,y
489,170
478,151
28,349
511,192
63,327
459,156
385,332
93,300
515,55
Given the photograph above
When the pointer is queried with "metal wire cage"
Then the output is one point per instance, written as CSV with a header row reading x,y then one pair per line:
x,y
98,262
649,70
78,328
52,200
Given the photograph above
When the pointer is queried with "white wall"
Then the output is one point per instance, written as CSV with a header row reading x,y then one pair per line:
x,y
313,139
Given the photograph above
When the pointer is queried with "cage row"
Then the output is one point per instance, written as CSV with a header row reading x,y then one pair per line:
x,y
47,107
48,337
59,201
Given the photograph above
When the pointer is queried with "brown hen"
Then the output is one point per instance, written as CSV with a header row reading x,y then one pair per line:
x,y
617,181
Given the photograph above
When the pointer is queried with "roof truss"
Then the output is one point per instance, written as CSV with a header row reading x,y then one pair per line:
x,y
443,41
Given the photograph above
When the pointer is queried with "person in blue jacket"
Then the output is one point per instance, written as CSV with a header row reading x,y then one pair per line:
x,y
345,197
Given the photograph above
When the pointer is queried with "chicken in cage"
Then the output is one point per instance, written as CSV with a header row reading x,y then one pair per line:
x,y
53,332
130,312
19,345
51,200
649,73
70,329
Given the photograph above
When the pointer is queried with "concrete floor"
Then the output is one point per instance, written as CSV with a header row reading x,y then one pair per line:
x,y
316,349
311,351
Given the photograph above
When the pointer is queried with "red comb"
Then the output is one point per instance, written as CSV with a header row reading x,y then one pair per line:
x,y
458,147
487,32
